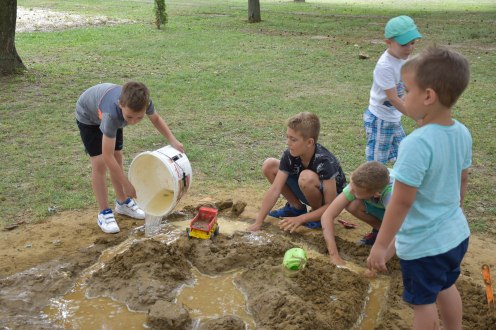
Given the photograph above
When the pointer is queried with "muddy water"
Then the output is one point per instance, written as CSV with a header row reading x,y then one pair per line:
x,y
373,303
214,297
209,297
152,224
160,202
77,311
226,226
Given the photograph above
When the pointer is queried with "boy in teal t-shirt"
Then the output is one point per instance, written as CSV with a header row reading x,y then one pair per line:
x,y
425,213
366,197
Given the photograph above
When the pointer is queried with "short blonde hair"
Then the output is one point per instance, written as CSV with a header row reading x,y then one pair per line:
x,y
444,70
305,123
371,176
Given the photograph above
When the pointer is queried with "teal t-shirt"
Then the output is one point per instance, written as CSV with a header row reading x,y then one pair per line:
x,y
431,159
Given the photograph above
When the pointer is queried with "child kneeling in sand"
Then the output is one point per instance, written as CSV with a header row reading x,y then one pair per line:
x,y
306,174
366,197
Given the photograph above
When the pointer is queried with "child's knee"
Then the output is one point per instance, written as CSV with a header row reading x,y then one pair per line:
x,y
270,166
97,164
308,179
355,207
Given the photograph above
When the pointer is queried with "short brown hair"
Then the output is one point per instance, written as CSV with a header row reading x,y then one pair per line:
x,y
444,70
371,176
305,123
135,96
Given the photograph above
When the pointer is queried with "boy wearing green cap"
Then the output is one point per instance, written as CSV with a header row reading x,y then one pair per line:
x,y
382,118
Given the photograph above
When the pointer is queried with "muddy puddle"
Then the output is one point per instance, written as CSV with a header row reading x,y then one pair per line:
x,y
233,281
206,280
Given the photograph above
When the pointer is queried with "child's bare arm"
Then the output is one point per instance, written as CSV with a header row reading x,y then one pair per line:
x,y
327,220
270,199
399,104
396,211
163,128
463,188
396,101
116,170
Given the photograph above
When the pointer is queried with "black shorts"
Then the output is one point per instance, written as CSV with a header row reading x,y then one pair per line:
x,y
92,136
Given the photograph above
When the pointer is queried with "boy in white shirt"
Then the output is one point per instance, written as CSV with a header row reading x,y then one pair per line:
x,y
382,118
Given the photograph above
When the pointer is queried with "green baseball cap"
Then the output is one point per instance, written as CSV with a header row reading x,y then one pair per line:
x,y
402,29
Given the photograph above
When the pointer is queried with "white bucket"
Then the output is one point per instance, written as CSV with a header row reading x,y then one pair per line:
x,y
160,178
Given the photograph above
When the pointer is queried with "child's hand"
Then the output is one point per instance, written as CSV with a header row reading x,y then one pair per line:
x,y
289,224
369,273
337,260
377,259
254,227
177,145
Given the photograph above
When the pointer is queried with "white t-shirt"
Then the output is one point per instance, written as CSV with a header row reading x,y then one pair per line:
x,y
386,76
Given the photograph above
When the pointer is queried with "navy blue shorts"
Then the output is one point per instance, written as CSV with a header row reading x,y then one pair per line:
x,y
292,182
91,135
424,278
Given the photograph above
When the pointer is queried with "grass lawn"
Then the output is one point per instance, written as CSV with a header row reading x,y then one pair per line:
x,y
226,87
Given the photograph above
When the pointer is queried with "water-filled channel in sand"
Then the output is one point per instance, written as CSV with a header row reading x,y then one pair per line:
x,y
203,296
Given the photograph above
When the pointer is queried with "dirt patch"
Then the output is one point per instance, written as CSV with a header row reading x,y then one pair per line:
x,y
38,19
43,261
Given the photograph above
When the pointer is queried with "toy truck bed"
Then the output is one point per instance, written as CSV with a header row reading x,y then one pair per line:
x,y
204,224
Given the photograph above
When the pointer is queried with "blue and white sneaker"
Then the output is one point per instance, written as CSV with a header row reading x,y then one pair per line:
x,y
288,211
107,222
129,208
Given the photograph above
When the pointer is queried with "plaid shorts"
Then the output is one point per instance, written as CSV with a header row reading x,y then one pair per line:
x,y
383,138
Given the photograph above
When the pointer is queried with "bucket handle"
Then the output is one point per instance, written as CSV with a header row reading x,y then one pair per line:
x,y
174,159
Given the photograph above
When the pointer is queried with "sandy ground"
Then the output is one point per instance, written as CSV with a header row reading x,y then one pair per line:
x,y
43,261
38,19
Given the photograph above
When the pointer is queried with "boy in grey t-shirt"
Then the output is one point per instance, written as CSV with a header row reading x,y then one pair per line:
x,y
101,113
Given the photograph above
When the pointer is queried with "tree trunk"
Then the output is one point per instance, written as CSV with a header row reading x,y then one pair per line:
x,y
10,62
254,11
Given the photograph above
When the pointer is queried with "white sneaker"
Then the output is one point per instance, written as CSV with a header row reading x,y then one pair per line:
x,y
129,208
107,222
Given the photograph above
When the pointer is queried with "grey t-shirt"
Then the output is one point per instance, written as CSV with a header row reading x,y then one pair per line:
x,y
99,106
